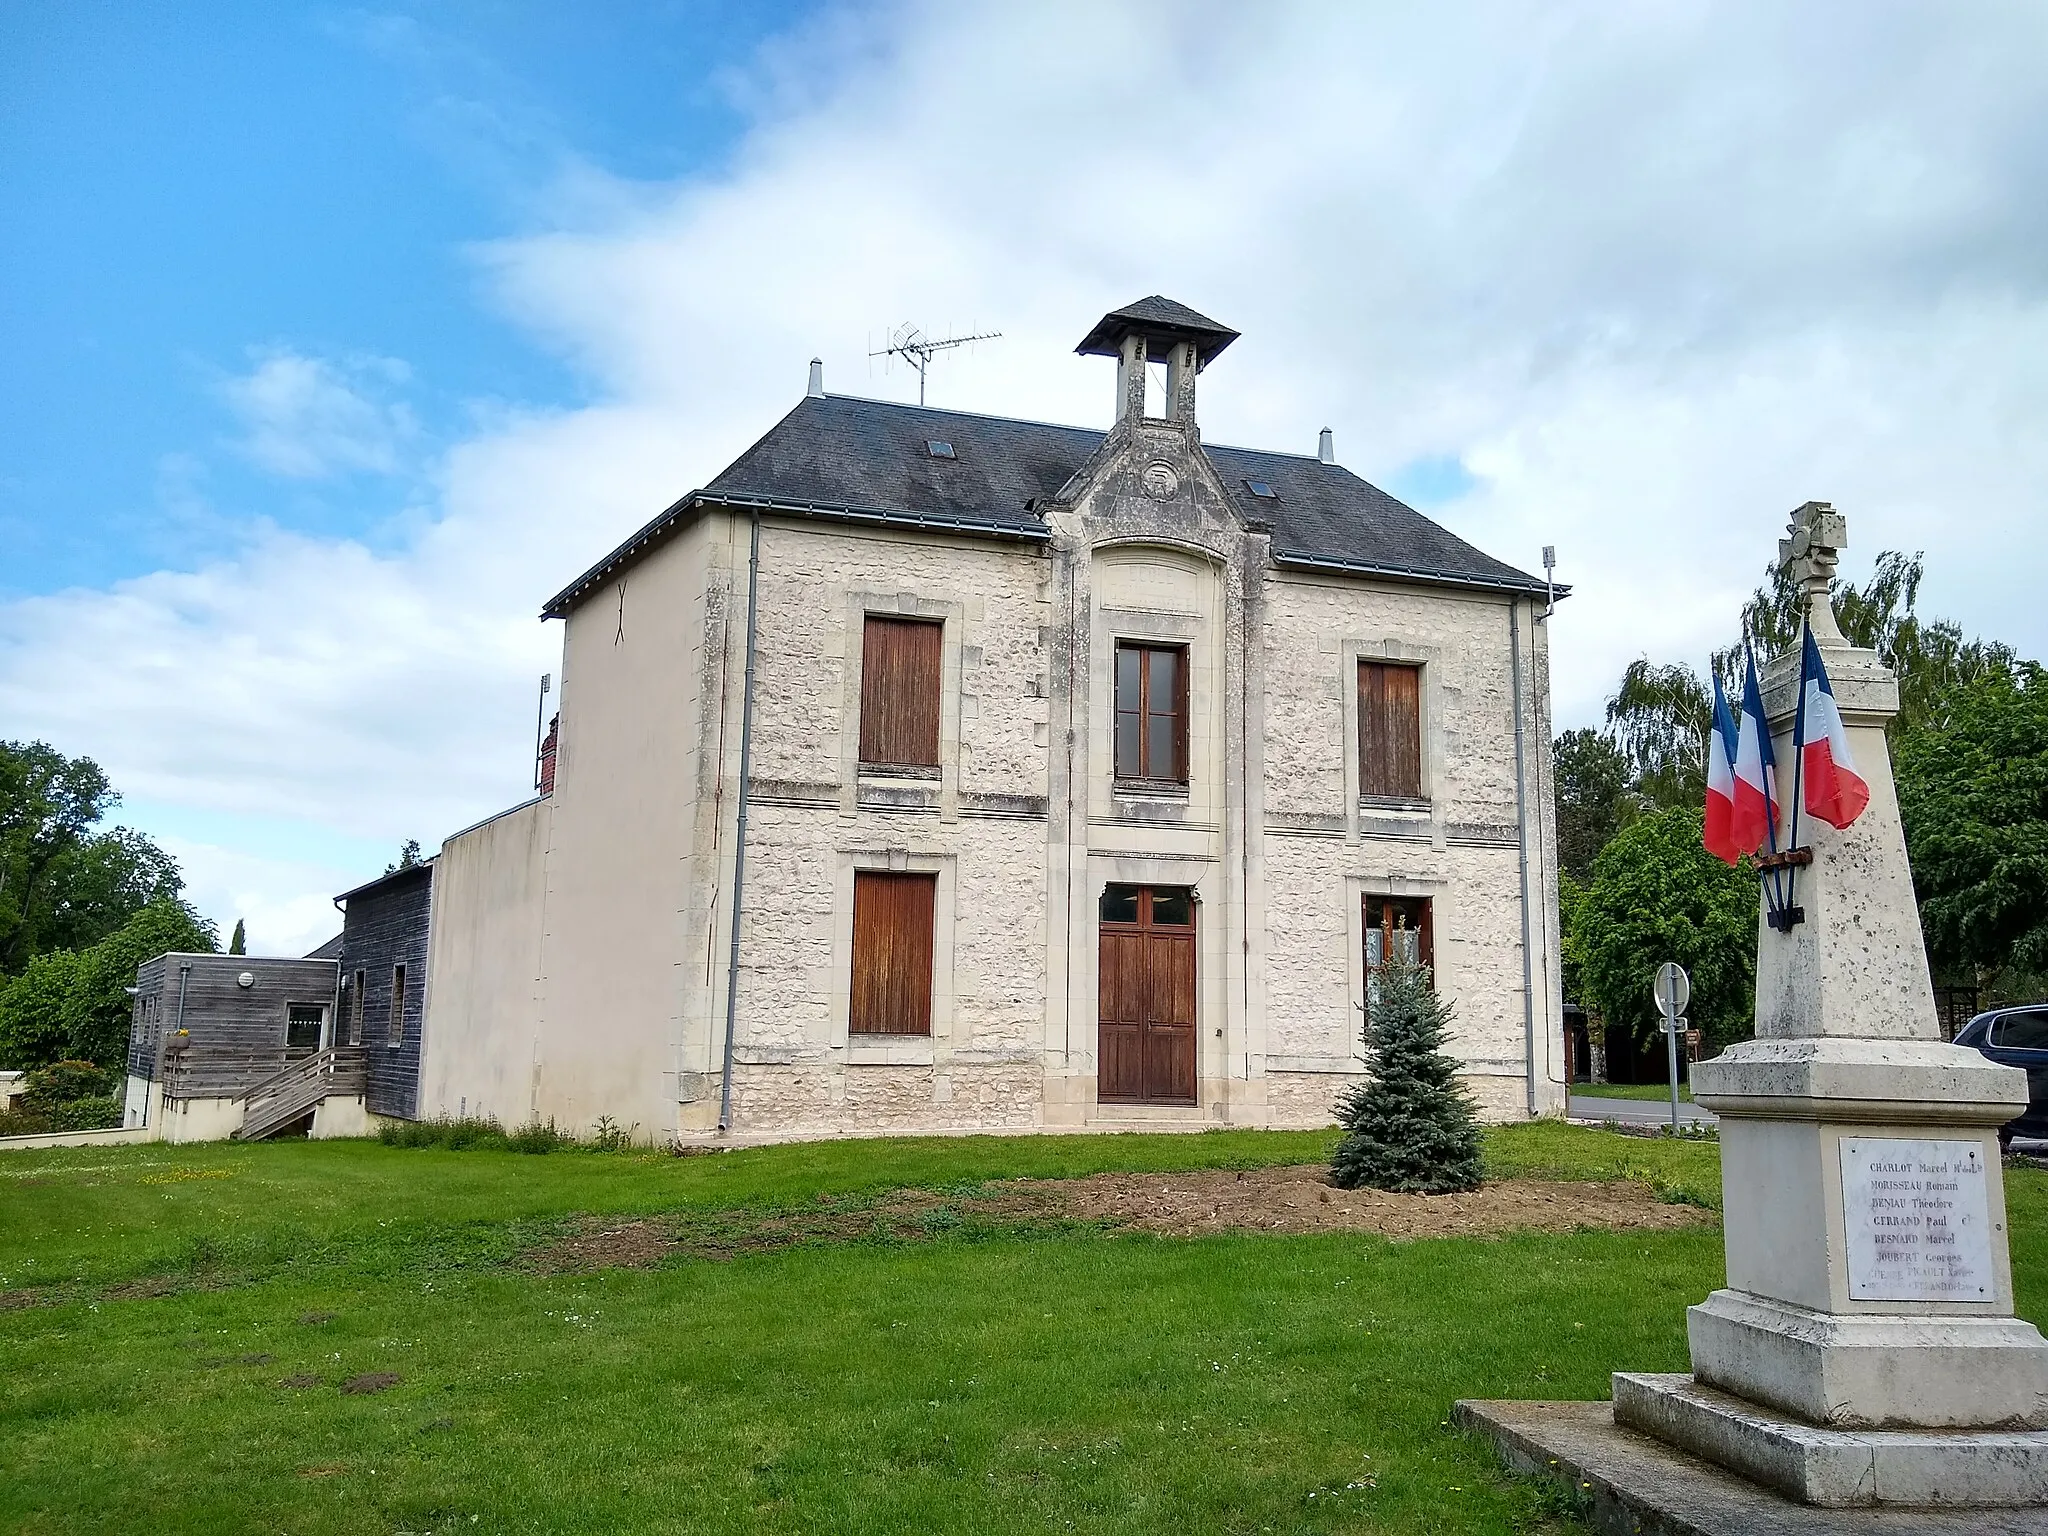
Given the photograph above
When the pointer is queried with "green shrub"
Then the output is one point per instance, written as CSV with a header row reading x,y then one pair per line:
x,y
24,1122
536,1138
449,1132
62,1082
96,1112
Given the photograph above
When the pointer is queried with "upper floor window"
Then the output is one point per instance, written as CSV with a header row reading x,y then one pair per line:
x,y
1390,730
900,673
1152,713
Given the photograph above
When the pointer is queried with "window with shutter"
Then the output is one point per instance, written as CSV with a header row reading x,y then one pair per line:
x,y
892,954
1390,730
1152,713
899,692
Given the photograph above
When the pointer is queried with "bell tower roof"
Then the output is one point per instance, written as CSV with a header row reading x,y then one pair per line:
x,y
1157,319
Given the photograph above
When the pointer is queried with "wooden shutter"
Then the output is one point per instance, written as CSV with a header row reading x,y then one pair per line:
x,y
892,954
1389,730
899,692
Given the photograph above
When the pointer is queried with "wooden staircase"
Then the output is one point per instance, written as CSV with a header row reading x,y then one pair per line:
x,y
286,1095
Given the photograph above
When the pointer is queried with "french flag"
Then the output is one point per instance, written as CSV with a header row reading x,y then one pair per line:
x,y
1756,774
1834,791
1720,831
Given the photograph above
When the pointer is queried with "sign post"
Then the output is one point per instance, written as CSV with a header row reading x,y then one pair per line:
x,y
1673,989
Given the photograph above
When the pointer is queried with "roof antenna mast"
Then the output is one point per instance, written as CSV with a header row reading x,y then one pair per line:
x,y
918,349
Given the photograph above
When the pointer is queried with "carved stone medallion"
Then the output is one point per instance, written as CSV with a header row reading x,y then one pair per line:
x,y
1160,481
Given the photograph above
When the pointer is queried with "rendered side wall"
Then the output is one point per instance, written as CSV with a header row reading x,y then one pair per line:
x,y
483,968
609,1034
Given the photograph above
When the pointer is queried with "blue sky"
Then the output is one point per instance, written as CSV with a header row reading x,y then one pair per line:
x,y
188,187
338,338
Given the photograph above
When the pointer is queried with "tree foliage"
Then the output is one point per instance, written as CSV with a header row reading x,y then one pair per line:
x,y
75,1004
1973,793
1594,796
1409,1126
1658,895
408,857
1659,717
239,944
62,885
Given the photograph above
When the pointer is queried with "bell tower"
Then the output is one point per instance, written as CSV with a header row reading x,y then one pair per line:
x,y
1156,330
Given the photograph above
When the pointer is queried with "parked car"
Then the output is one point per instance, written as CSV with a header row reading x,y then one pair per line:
x,y
2017,1037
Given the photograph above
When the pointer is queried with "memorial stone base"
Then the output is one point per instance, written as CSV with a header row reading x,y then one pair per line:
x,y
1864,1349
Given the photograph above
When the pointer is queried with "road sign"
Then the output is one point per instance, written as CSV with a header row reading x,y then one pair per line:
x,y
1673,989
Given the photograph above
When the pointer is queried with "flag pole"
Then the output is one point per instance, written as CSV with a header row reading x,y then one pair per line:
x,y
1799,729
1775,895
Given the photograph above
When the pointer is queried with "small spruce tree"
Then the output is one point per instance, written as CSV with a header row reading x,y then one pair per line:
x,y
239,944
1409,1126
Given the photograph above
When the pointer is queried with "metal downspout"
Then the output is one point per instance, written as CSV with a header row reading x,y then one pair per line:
x,y
1522,841
739,852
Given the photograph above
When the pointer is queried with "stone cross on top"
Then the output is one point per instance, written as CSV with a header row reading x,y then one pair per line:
x,y
1818,535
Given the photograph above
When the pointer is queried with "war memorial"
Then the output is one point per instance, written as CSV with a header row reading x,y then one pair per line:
x,y
1862,1369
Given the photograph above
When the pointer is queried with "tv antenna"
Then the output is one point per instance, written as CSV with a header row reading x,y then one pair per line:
x,y
918,349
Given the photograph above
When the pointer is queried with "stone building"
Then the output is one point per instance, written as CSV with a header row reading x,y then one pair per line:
x,y
1087,776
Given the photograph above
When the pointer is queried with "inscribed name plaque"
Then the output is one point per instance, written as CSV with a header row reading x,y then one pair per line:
x,y
1914,1213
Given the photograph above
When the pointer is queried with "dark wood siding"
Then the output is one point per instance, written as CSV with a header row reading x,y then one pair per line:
x,y
220,1013
892,954
1389,730
1145,986
900,682
385,927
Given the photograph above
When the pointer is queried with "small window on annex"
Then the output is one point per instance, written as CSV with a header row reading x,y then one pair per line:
x,y
355,1010
900,683
1390,730
1398,931
1152,713
890,991
303,1023
395,1031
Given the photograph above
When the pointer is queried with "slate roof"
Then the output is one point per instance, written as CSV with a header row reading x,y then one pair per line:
x,y
852,460
1158,316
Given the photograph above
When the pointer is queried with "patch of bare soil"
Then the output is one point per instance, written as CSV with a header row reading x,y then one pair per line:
x,y
1301,1199
372,1381
1285,1200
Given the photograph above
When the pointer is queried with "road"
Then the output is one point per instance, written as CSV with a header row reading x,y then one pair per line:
x,y
1636,1111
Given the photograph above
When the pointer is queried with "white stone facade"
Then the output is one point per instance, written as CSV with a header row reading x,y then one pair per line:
x,y
580,960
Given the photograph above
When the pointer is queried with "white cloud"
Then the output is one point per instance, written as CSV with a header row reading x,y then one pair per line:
x,y
1656,274
308,418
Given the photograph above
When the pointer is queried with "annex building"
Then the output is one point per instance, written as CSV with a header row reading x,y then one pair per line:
x,y
1058,778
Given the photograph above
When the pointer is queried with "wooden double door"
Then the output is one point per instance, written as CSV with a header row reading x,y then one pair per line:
x,y
1145,988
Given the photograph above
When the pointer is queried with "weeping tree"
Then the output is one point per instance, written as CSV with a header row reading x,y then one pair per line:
x,y
1408,1126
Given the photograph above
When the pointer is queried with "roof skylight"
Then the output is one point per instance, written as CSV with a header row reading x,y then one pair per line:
x,y
940,449
1260,489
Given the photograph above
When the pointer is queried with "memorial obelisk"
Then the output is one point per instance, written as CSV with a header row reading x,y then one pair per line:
x,y
1864,1350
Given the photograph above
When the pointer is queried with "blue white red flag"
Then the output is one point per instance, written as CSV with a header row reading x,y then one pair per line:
x,y
1720,826
1833,790
1756,774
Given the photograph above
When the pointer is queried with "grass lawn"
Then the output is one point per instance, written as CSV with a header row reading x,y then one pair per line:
x,y
1658,1091
985,1379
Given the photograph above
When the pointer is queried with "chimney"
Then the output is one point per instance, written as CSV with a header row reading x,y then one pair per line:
x,y
817,386
1326,447
547,756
